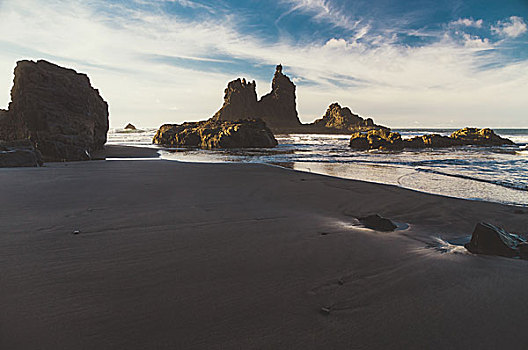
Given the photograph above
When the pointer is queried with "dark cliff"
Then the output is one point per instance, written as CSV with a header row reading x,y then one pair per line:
x,y
57,109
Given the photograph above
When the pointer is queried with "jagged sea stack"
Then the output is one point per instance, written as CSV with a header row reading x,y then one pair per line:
x,y
277,109
240,102
58,110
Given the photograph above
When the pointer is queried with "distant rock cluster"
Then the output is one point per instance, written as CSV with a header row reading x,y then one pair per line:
x,y
57,110
388,140
279,110
245,121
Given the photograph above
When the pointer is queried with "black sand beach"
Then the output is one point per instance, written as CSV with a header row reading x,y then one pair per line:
x,y
177,255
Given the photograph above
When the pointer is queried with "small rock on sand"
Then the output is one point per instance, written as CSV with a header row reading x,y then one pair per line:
x,y
378,223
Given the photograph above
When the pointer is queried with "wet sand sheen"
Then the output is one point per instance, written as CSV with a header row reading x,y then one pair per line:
x,y
182,255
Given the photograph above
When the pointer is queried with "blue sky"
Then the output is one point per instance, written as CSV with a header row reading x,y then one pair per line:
x,y
414,63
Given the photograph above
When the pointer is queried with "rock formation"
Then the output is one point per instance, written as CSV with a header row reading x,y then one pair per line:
x,y
278,109
58,110
19,154
12,128
488,239
130,127
385,139
376,139
341,119
249,133
480,137
378,223
240,102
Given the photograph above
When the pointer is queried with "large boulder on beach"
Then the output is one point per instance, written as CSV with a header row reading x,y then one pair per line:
x,y
249,133
58,110
19,154
488,239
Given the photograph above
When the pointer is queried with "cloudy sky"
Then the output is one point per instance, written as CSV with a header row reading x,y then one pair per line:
x,y
412,63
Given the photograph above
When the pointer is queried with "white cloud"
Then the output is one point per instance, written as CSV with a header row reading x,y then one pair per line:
x,y
394,84
185,3
323,11
512,28
467,22
473,41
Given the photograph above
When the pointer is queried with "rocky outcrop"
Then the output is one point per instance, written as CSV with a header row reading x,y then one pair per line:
x,y
479,137
19,154
385,139
341,119
376,139
278,109
488,239
249,133
130,127
58,110
431,141
240,102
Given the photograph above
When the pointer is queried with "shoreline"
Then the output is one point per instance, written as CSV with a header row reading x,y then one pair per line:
x,y
116,152
195,255
421,180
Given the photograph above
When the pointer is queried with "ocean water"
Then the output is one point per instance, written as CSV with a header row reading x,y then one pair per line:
x,y
497,174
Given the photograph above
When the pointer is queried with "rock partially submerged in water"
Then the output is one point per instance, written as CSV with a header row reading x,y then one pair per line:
x,y
341,119
130,127
488,239
378,223
216,134
376,139
479,137
385,139
19,154
57,109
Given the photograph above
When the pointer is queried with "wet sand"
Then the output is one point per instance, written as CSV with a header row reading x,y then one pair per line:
x,y
244,256
118,151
